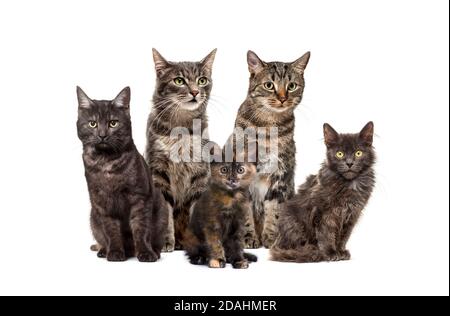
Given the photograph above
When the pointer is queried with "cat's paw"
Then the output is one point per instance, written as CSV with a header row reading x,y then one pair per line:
x,y
147,256
116,256
169,247
268,241
198,261
101,253
241,264
217,264
333,256
252,243
345,255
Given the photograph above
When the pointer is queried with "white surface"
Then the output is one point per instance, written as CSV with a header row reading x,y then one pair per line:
x,y
385,61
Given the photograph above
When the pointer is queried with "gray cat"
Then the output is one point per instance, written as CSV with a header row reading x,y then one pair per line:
x,y
181,96
129,216
318,222
275,90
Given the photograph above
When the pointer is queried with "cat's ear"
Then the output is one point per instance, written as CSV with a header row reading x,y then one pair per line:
x,y
366,135
84,102
255,64
123,99
330,134
216,154
301,63
161,64
208,61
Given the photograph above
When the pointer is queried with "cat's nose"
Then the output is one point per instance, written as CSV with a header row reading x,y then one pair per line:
x,y
350,164
195,93
102,137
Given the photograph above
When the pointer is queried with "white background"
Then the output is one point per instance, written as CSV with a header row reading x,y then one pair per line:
x,y
385,61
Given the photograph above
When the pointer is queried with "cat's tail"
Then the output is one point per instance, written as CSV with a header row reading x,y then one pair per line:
x,y
305,254
96,247
195,250
250,257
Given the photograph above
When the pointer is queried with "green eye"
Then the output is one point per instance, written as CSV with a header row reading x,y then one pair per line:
x,y
269,86
93,124
292,87
113,124
203,81
179,81
359,154
340,155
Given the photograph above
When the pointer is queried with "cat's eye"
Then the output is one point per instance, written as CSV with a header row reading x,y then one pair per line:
x,y
241,170
269,86
340,155
224,170
359,154
179,81
113,124
203,81
93,124
292,87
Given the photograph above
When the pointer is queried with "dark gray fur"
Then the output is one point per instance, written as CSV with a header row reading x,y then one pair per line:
x,y
128,216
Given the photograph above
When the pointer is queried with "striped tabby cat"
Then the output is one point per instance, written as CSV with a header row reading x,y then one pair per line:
x,y
276,89
181,96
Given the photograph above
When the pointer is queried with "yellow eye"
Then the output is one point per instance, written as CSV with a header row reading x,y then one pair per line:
x,y
203,81
113,124
224,170
340,155
179,81
359,154
269,86
93,124
292,87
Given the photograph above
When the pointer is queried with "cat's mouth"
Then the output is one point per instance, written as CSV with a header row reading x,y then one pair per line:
x,y
350,175
232,186
102,146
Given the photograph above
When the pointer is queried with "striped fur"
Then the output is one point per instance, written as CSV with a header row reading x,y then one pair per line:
x,y
275,90
178,106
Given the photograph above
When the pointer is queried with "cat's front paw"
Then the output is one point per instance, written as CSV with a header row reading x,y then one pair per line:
x,y
198,260
169,246
116,256
241,264
101,253
217,264
333,256
147,256
345,255
268,241
252,243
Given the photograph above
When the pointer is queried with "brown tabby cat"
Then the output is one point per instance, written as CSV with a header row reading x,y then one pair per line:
x,y
181,96
215,234
129,216
316,225
276,89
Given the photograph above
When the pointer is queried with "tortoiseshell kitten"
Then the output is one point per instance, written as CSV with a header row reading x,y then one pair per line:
x,y
181,96
275,91
128,216
317,223
215,234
